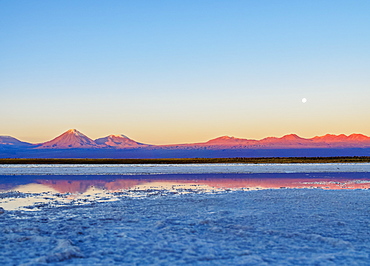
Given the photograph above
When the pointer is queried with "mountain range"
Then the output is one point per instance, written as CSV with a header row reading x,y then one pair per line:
x,y
74,139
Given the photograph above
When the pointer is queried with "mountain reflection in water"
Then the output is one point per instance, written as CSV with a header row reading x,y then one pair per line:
x,y
81,184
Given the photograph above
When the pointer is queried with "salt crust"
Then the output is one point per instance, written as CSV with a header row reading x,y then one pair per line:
x,y
267,227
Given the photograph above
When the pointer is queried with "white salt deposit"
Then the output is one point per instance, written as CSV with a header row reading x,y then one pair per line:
x,y
268,227
148,226
138,169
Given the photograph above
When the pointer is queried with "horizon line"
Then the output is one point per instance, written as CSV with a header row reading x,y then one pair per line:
x,y
222,136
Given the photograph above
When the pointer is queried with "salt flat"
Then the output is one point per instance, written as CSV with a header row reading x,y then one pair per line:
x,y
138,169
266,227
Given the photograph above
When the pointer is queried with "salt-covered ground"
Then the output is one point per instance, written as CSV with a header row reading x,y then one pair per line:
x,y
157,169
263,227
74,215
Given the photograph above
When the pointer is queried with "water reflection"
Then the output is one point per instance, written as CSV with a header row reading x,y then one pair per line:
x,y
20,191
78,184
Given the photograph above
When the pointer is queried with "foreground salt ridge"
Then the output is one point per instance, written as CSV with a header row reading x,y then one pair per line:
x,y
138,169
269,227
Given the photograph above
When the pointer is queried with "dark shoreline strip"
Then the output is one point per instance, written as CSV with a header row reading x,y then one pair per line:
x,y
280,160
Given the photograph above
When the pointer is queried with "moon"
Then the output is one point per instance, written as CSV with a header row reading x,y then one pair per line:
x,y
304,100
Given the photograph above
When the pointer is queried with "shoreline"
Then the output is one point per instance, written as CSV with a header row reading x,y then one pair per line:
x,y
242,160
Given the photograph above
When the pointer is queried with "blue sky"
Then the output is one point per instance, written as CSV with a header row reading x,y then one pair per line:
x,y
184,71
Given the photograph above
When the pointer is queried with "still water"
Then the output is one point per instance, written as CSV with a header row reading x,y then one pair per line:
x,y
33,186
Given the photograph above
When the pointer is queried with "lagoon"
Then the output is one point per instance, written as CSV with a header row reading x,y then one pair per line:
x,y
239,214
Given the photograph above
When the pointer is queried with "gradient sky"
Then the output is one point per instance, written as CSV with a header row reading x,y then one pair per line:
x,y
166,72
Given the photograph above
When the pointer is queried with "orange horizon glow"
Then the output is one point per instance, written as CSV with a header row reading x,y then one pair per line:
x,y
192,140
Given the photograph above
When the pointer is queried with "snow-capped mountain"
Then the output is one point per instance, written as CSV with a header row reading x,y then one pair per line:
x,y
13,142
119,142
70,139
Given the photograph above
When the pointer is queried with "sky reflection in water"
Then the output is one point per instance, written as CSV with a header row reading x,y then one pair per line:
x,y
34,191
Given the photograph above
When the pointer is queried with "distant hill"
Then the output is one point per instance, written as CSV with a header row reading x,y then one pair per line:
x,y
74,144
13,142
119,142
70,139
291,141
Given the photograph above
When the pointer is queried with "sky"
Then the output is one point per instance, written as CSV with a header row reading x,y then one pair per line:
x,y
164,72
